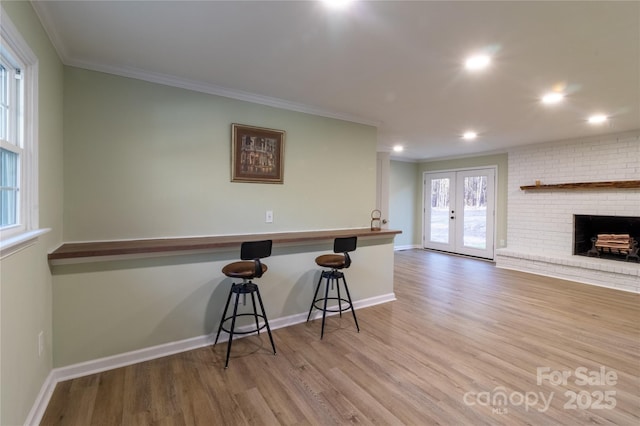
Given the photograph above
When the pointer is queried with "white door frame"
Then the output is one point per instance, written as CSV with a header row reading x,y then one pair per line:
x,y
383,166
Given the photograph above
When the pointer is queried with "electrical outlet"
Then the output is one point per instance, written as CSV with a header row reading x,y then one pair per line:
x,y
40,343
269,216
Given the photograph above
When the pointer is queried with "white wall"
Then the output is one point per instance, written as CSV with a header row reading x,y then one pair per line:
x,y
540,223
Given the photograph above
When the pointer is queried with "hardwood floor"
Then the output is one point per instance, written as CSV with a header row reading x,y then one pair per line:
x,y
462,345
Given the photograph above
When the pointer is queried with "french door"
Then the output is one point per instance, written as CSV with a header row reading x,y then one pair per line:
x,y
459,211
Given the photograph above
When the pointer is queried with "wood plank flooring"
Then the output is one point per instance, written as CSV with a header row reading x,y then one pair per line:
x,y
461,345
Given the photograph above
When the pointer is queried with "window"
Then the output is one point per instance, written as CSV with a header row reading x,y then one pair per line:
x,y
11,140
18,139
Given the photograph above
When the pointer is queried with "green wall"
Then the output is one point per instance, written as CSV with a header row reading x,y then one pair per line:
x,y
499,160
25,278
144,160
404,194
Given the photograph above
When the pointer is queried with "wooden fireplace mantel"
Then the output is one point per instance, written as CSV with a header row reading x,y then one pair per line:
x,y
614,184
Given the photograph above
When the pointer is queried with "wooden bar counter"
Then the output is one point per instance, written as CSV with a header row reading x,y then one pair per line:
x,y
104,250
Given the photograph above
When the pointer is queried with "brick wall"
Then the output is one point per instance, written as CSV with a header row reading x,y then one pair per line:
x,y
541,222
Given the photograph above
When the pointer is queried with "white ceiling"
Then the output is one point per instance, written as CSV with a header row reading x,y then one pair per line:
x,y
394,64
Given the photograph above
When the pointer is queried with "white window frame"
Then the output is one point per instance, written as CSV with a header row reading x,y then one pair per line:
x,y
15,237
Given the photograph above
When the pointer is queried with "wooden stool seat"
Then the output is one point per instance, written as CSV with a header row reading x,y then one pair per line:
x,y
244,270
336,261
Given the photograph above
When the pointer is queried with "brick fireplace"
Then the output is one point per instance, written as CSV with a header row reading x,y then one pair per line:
x,y
540,227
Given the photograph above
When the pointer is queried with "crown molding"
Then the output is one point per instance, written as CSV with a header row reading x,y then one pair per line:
x,y
47,23
403,159
168,80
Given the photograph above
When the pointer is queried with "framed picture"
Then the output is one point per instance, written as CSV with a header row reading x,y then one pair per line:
x,y
257,154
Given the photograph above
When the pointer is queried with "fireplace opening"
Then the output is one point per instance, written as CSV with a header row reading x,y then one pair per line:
x,y
614,231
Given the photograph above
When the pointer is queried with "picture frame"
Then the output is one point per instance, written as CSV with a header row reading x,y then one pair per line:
x,y
257,154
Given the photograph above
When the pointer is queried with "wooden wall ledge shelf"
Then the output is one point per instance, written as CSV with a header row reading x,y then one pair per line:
x,y
96,249
615,184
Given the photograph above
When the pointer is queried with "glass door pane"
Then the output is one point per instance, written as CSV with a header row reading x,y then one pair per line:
x,y
475,212
475,205
440,204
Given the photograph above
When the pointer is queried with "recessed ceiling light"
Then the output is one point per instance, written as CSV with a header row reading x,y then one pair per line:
x,y
337,4
477,62
398,148
552,98
597,119
469,136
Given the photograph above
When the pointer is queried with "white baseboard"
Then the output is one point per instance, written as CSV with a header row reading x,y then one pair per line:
x,y
128,358
407,247
574,279
42,401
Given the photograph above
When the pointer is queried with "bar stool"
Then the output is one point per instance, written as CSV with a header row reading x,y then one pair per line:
x,y
249,268
336,262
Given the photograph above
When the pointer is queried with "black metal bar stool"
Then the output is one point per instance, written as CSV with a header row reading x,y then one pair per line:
x,y
249,268
336,262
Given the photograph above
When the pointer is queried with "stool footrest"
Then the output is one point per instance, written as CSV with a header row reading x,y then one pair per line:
x,y
248,314
339,308
329,277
